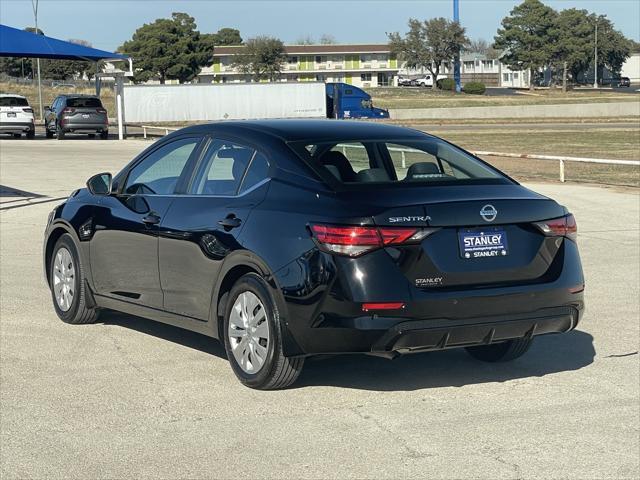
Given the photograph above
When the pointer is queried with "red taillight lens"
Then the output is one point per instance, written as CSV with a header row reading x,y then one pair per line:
x,y
27,110
68,110
354,241
367,307
560,227
101,110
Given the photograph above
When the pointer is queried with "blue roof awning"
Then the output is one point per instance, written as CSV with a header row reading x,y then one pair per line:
x,y
20,43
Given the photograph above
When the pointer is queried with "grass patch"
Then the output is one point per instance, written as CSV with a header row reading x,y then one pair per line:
x,y
428,98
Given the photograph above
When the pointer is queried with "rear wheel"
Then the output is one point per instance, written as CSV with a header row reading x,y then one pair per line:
x,y
17,135
252,337
501,352
31,134
48,133
67,281
92,135
59,133
104,135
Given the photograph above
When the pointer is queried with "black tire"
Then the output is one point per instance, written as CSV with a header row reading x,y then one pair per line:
x,y
92,135
104,135
17,135
501,352
277,371
78,312
31,134
48,133
59,133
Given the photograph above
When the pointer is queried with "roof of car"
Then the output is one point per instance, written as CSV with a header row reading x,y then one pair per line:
x,y
12,95
77,95
292,130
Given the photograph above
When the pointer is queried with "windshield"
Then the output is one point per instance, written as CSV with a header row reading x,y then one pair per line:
x,y
427,161
13,102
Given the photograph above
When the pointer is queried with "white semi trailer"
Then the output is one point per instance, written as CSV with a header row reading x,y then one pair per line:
x,y
202,102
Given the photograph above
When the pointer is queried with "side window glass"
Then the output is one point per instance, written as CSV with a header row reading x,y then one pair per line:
x,y
159,172
222,168
258,171
404,157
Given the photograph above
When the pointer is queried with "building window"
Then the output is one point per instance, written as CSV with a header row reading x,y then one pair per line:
x,y
515,76
319,78
365,77
505,77
487,63
293,60
468,65
365,58
321,59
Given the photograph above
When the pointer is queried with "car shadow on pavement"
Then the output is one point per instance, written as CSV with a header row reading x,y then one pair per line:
x,y
177,335
450,368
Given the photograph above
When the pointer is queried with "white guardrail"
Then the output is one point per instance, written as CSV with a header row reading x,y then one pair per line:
x,y
403,151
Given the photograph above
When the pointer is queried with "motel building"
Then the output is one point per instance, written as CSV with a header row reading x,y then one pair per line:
x,y
365,66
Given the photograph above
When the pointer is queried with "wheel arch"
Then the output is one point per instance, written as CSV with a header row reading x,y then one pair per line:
x,y
233,269
58,229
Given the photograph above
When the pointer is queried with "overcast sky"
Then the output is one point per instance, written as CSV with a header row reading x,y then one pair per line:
x,y
106,24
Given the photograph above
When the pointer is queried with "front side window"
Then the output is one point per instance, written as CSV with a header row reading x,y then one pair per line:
x,y
425,161
222,169
159,172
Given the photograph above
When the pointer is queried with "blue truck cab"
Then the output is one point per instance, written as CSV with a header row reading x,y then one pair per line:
x,y
347,101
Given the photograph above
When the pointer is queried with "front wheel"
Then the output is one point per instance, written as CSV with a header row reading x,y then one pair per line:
x,y
501,352
67,282
252,337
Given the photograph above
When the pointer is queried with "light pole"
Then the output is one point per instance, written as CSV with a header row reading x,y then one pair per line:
x,y
34,5
595,63
456,59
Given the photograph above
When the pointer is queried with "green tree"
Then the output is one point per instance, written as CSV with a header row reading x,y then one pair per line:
x,y
427,44
572,34
168,49
262,58
613,47
224,36
525,37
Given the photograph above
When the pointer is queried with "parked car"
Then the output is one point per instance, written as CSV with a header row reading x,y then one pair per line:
x,y
76,114
16,116
624,82
406,82
290,238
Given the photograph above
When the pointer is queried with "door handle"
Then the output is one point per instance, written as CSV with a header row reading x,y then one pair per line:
x,y
151,219
231,221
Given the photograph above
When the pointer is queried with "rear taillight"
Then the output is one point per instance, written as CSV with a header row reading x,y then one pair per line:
x,y
355,241
68,110
367,307
560,227
101,110
27,110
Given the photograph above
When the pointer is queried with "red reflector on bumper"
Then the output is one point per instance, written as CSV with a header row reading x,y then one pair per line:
x,y
576,289
366,307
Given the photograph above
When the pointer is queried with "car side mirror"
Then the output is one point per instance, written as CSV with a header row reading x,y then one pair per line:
x,y
100,184
47,107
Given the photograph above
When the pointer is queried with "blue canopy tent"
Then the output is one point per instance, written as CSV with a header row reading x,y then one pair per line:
x,y
20,43
23,44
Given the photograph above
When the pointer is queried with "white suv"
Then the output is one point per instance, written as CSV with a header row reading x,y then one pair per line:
x,y
16,116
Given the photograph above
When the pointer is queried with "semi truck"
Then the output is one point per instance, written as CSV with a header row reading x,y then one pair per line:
x,y
237,101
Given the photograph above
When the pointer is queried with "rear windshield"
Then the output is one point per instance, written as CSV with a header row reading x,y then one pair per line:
x,y
84,102
13,102
400,162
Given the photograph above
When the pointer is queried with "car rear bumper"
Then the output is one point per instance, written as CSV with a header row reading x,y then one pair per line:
x,y
84,127
389,336
16,127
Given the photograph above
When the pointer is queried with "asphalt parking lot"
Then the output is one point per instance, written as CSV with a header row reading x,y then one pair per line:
x,y
131,398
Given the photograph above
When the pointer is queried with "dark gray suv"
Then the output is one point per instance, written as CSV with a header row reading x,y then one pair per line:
x,y
76,114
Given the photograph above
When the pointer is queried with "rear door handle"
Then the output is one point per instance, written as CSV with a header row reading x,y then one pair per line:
x,y
151,219
231,221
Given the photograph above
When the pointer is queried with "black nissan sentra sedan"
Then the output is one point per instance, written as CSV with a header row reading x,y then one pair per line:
x,y
290,238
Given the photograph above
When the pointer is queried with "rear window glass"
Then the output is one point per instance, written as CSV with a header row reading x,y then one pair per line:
x,y
84,102
425,161
13,102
